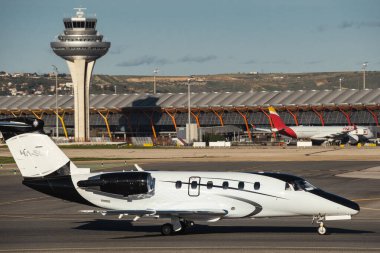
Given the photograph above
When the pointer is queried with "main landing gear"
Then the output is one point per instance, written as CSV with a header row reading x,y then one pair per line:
x,y
169,229
319,220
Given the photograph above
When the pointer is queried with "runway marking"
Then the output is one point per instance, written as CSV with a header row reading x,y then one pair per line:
x,y
318,152
358,200
351,249
367,208
21,200
36,218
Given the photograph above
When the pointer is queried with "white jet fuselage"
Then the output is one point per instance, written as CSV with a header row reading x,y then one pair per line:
x,y
247,195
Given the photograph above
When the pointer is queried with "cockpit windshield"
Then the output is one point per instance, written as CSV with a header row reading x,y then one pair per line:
x,y
299,185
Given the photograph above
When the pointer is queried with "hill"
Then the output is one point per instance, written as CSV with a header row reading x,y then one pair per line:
x,y
200,83
239,82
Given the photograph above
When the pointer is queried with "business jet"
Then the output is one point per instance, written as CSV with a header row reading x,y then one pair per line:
x,y
183,197
353,134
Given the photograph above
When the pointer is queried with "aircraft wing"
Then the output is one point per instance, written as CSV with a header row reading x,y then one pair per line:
x,y
265,130
199,214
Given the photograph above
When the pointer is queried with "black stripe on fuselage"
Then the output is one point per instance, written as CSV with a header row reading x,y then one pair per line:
x,y
336,199
57,186
280,176
258,207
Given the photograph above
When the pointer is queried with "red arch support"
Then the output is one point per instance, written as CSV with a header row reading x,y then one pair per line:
x,y
220,116
270,121
319,116
294,116
346,115
375,118
172,116
244,116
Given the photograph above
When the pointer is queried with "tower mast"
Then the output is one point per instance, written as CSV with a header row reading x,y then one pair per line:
x,y
80,45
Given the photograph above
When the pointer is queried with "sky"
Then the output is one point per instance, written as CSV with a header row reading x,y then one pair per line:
x,y
182,37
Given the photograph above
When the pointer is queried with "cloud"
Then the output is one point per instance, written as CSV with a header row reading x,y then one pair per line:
x,y
198,59
321,28
117,49
358,25
346,24
250,62
144,60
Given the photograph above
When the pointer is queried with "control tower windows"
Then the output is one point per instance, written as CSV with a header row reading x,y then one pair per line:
x,y
68,25
78,24
90,24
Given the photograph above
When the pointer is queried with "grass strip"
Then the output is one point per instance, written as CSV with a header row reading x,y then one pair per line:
x,y
6,160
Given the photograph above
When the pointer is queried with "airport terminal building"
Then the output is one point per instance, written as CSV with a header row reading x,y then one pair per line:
x,y
127,115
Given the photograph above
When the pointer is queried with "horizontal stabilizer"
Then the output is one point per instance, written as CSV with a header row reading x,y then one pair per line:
x,y
15,126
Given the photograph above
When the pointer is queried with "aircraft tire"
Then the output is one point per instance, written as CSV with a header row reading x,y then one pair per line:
x,y
167,229
322,230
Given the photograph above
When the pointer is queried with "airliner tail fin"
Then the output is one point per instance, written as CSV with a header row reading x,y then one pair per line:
x,y
277,122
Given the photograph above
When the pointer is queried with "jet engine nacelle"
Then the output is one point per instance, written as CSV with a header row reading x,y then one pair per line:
x,y
121,183
353,138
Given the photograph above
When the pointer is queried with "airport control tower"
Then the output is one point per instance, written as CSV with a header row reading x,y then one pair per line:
x,y
80,45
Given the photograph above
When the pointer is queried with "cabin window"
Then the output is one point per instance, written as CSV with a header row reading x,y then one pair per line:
x,y
210,184
225,185
256,186
241,185
288,187
178,184
194,184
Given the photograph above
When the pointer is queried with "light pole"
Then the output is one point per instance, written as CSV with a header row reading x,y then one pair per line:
x,y
189,109
364,66
56,100
155,72
340,82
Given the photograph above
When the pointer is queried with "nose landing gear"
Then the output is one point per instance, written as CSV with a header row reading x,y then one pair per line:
x,y
319,220
321,229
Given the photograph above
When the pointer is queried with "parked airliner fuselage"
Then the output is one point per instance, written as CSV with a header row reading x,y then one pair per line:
x,y
354,134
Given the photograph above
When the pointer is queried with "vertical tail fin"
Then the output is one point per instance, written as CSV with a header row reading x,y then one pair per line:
x,y
35,154
276,120
43,165
279,125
